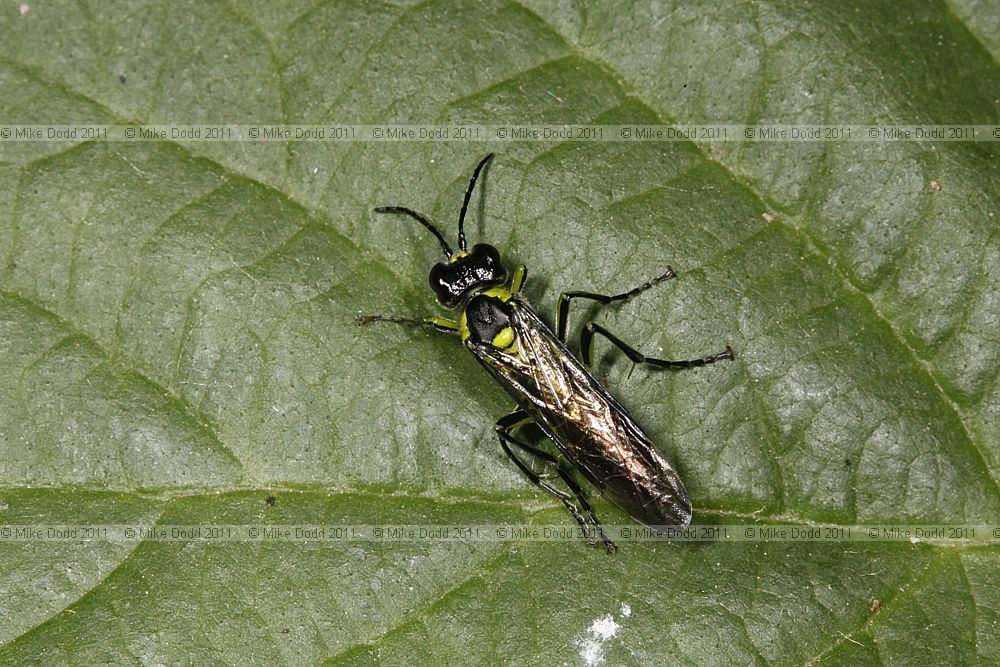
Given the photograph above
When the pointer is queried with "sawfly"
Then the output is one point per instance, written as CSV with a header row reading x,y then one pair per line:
x,y
553,388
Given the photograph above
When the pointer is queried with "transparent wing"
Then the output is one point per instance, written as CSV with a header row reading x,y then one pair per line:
x,y
591,429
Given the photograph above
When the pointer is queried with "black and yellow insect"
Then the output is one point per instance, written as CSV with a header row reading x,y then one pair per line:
x,y
552,388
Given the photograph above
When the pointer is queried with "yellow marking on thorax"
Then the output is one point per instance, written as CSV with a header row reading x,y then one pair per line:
x,y
463,327
504,339
501,293
497,293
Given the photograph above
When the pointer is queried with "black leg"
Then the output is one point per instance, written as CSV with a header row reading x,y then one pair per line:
x,y
587,351
565,297
504,428
439,323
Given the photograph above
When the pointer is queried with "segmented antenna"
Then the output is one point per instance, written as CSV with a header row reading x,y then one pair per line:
x,y
468,196
423,221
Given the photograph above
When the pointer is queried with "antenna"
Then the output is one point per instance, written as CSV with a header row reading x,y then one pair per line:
x,y
468,196
423,221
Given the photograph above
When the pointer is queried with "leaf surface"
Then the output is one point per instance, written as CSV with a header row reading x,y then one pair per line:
x,y
177,330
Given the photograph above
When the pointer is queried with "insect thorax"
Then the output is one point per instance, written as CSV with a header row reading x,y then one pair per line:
x,y
487,319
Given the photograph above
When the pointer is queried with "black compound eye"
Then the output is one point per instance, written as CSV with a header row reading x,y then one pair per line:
x,y
481,267
487,260
486,266
446,284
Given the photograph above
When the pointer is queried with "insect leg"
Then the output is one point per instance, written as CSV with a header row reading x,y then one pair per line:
x,y
517,282
504,428
565,297
587,351
440,323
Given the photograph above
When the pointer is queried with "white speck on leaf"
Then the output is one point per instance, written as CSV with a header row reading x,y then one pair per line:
x,y
600,631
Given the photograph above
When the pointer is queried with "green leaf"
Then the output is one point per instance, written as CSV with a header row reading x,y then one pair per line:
x,y
177,337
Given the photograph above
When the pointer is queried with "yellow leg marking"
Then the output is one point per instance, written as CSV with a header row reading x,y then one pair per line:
x,y
517,282
442,323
